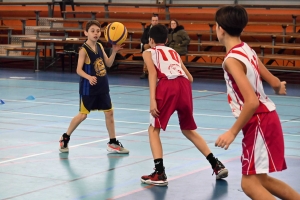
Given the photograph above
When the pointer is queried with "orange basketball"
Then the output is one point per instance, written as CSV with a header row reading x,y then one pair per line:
x,y
115,33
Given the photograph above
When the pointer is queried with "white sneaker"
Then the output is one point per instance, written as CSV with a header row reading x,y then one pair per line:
x,y
116,148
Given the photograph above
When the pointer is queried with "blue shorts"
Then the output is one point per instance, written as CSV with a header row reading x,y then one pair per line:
x,y
100,102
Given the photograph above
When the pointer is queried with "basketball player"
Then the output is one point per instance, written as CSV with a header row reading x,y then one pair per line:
x,y
170,90
263,145
94,88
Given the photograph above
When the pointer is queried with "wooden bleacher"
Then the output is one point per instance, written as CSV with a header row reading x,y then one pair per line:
x,y
274,41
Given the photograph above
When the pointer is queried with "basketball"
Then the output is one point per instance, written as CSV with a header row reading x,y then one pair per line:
x,y
115,33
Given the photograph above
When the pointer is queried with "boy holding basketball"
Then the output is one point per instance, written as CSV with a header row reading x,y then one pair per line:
x,y
94,87
263,144
170,90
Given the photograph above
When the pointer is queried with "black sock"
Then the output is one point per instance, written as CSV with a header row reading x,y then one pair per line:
x,y
66,139
66,135
159,165
212,160
112,140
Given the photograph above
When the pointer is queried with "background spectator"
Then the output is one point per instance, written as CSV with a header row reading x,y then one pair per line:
x,y
145,41
178,39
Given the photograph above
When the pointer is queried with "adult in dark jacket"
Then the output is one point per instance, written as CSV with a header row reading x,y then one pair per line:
x,y
145,42
178,38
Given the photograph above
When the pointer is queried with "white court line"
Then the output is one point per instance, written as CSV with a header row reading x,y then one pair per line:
x,y
24,157
66,104
140,123
97,119
74,146
131,109
34,155
132,86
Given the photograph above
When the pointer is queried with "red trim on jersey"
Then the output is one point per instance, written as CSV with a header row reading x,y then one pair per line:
x,y
236,46
157,58
236,90
257,75
240,53
255,64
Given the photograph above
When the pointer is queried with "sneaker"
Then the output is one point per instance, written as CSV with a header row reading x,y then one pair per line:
x,y
144,76
63,143
116,148
155,179
220,170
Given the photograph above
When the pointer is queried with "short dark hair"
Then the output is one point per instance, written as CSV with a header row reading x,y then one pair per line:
x,y
90,23
159,33
154,15
232,19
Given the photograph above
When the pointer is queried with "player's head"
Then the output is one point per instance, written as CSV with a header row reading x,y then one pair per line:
x,y
92,30
232,20
154,19
158,34
174,23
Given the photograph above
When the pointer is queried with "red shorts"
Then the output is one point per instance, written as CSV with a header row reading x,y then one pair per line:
x,y
263,145
174,95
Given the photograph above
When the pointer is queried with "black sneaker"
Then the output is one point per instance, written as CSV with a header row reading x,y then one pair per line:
x,y
144,76
63,143
220,170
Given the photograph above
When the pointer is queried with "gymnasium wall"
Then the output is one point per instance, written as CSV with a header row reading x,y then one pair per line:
x,y
255,2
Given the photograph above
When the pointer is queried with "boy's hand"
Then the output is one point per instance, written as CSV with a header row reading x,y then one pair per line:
x,y
282,89
153,109
225,140
117,47
93,80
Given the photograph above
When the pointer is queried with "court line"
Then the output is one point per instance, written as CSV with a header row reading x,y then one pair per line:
x,y
141,110
129,86
74,146
93,119
131,109
143,123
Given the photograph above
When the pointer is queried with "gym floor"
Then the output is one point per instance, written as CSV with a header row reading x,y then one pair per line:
x,y
37,107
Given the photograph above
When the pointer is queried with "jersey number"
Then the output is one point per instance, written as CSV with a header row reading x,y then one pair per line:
x,y
173,54
172,67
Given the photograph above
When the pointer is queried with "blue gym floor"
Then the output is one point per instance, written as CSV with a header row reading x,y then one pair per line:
x,y
31,166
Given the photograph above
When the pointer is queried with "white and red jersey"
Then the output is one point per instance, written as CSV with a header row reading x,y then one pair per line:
x,y
246,55
167,62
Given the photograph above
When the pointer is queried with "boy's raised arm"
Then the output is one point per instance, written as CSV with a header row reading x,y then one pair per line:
x,y
110,60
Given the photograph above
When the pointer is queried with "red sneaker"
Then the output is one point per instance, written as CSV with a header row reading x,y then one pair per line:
x,y
220,170
155,179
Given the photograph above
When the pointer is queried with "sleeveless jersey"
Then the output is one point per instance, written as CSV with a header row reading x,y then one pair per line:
x,y
95,67
167,62
246,55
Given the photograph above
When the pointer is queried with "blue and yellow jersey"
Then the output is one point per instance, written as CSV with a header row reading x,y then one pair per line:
x,y
94,66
